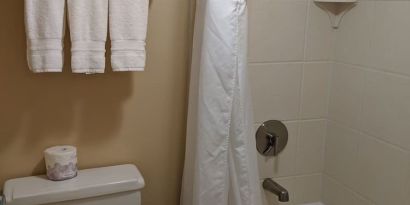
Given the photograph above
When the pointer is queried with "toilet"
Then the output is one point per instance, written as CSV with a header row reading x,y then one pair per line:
x,y
119,185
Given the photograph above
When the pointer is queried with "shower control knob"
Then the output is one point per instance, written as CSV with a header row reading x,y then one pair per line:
x,y
271,138
271,144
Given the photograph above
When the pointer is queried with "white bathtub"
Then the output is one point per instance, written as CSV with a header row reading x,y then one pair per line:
x,y
316,203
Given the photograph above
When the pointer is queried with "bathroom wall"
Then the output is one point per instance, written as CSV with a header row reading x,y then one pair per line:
x,y
291,44
112,118
367,159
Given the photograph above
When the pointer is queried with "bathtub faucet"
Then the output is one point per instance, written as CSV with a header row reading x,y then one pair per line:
x,y
275,188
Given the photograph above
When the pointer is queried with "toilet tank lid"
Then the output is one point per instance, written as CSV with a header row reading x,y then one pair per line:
x,y
89,183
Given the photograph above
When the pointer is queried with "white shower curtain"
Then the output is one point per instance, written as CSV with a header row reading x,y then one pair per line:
x,y
220,164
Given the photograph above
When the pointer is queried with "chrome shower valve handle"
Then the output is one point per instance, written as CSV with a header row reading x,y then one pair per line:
x,y
271,138
272,144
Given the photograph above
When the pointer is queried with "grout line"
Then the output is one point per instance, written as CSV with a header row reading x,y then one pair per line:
x,y
323,155
289,62
299,125
329,87
297,120
361,100
374,69
307,21
301,86
357,129
296,176
368,135
305,120
310,119
348,189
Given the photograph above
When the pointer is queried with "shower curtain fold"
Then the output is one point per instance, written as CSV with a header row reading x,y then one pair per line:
x,y
220,164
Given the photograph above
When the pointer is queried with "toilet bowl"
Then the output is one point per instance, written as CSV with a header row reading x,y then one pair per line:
x,y
100,186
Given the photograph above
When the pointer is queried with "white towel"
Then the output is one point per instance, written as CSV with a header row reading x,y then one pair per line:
x,y
45,28
128,31
88,21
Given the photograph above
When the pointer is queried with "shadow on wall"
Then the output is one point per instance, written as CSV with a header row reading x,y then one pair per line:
x,y
42,106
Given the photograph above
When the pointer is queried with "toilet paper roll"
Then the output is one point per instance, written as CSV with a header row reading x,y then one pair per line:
x,y
61,162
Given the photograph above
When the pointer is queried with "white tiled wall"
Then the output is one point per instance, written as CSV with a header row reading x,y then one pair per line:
x,y
367,160
343,94
291,44
269,16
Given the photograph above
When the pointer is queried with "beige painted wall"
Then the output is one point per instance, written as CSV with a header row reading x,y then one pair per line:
x,y
112,118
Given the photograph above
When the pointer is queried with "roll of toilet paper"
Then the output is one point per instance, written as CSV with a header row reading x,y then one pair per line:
x,y
61,162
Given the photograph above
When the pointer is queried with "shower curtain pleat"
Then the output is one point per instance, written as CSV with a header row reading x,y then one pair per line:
x,y
220,164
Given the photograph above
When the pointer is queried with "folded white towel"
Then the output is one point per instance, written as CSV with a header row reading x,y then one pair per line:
x,y
45,28
88,21
128,30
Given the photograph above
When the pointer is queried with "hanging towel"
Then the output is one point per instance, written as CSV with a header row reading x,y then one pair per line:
x,y
128,31
45,23
88,21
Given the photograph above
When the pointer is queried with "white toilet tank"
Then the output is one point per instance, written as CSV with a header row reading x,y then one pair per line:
x,y
116,185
